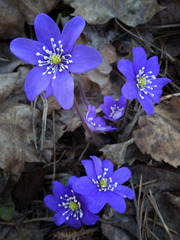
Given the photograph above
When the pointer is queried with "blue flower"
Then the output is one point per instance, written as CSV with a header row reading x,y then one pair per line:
x,y
71,207
96,124
55,55
113,110
142,82
102,185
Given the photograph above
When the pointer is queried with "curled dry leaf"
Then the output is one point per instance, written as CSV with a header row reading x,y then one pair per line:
x,y
159,134
131,12
13,15
16,137
116,152
101,74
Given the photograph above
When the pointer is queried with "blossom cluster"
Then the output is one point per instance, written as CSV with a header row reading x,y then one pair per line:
x,y
86,196
56,58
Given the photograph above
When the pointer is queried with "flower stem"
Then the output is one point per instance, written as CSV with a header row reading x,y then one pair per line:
x,y
82,118
82,93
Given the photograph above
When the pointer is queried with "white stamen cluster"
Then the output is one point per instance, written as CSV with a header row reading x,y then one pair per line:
x,y
103,183
76,213
54,60
90,122
143,81
114,110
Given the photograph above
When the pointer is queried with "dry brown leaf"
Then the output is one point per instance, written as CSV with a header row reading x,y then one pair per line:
x,y
156,178
7,83
17,114
101,74
16,137
12,83
116,152
71,119
115,224
14,148
52,104
131,12
159,134
13,15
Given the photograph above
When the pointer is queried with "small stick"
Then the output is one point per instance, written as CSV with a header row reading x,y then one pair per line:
x,y
154,204
136,207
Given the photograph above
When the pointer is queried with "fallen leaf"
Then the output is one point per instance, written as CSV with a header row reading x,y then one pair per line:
x,y
130,12
12,83
156,178
159,134
71,119
7,83
116,152
16,139
52,104
13,15
100,75
115,224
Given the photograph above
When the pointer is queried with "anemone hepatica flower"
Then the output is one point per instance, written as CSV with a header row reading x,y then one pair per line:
x,y
96,124
142,82
102,185
71,207
113,110
55,55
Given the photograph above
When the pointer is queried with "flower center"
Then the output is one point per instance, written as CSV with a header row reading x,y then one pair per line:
x,y
103,182
115,109
55,59
142,81
145,83
73,206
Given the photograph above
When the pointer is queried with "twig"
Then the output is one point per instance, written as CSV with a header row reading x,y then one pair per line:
x,y
152,233
54,147
145,41
169,96
44,120
86,103
33,107
137,210
130,126
82,154
161,225
154,204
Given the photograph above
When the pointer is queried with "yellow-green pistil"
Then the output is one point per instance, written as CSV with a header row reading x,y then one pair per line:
x,y
142,81
73,206
56,59
103,183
